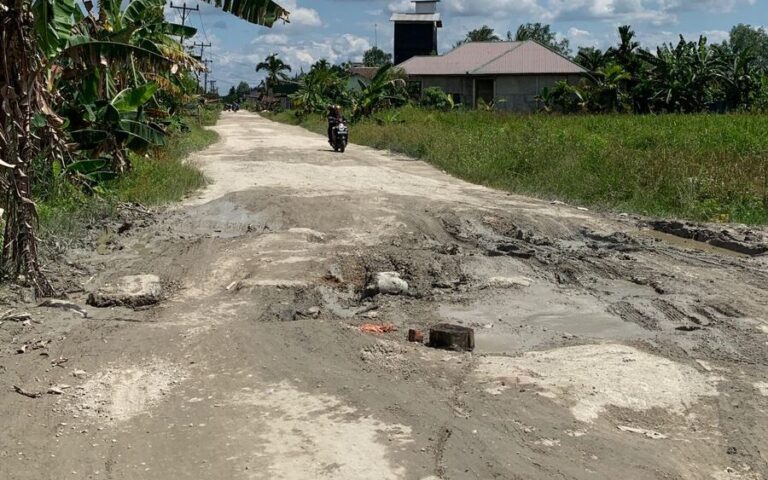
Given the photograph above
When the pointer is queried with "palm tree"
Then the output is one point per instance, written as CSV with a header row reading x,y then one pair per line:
x,y
610,88
593,59
275,69
482,34
625,54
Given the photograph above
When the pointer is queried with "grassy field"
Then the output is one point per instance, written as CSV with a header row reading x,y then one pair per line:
x,y
699,167
161,177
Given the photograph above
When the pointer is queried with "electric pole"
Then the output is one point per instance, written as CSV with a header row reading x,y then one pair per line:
x,y
202,47
185,11
213,86
202,59
205,74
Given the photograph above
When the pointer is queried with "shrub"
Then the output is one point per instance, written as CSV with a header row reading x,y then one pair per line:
x,y
435,98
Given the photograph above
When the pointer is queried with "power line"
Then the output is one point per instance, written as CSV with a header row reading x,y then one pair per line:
x,y
202,25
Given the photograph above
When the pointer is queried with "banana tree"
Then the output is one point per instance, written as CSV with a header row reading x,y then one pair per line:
x,y
682,76
43,41
739,74
387,89
320,87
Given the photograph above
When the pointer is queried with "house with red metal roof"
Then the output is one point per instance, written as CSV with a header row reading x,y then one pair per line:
x,y
508,74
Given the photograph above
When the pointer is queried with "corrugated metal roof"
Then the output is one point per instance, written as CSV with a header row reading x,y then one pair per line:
x,y
459,61
366,72
415,17
530,57
493,58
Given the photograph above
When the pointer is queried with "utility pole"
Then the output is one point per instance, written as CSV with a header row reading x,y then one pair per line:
x,y
202,48
202,59
213,86
185,11
205,73
376,35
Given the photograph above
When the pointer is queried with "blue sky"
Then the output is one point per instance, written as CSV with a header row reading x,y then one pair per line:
x,y
341,30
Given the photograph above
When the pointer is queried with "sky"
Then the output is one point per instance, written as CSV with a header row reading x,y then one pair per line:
x,y
341,30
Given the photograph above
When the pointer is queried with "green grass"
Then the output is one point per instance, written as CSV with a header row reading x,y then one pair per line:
x,y
164,177
160,177
699,167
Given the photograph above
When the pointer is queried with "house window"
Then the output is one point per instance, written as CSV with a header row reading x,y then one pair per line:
x,y
414,89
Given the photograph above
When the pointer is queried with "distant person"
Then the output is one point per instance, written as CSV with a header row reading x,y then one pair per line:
x,y
334,118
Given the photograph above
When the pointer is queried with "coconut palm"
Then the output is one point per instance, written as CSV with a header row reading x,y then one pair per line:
x,y
482,34
543,34
625,53
276,70
593,59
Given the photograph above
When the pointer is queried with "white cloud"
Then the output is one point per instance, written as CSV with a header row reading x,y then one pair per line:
x,y
716,36
271,39
302,16
653,11
295,52
581,38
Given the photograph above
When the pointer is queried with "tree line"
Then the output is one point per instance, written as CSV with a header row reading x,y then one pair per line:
x,y
684,77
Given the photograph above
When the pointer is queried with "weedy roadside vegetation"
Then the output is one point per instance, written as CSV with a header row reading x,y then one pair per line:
x,y
160,177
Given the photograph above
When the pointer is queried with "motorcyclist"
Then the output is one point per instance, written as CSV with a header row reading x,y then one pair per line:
x,y
334,118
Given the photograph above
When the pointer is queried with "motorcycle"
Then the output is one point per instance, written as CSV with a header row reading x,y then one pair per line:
x,y
340,136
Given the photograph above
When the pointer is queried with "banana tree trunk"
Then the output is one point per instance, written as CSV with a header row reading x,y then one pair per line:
x,y
21,94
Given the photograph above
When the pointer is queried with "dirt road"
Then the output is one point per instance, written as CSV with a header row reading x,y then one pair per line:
x,y
604,349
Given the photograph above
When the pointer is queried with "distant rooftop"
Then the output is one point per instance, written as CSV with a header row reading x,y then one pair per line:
x,y
362,71
494,58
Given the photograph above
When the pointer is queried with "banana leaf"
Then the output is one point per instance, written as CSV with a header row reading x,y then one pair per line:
x,y
102,176
53,23
260,12
130,99
87,166
138,11
177,30
91,52
89,138
140,135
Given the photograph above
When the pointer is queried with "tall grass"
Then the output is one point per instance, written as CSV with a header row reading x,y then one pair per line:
x,y
160,177
699,167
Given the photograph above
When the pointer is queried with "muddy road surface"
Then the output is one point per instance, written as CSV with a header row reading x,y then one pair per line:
x,y
604,348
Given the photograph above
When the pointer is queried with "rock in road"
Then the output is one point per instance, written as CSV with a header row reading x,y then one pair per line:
x,y
253,365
